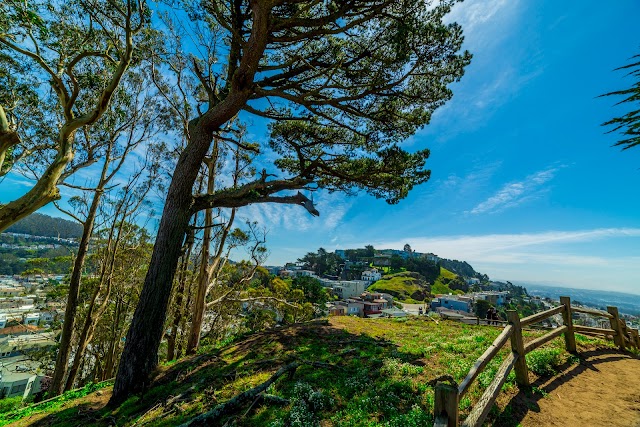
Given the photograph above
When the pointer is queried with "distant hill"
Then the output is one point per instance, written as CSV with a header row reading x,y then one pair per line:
x,y
410,287
44,225
405,287
461,268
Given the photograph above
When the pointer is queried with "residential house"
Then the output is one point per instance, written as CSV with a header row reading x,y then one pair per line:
x,y
372,308
345,289
20,377
497,298
31,318
337,310
371,275
452,302
355,308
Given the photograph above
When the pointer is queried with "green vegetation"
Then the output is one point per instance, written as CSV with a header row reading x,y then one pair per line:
x,y
448,283
412,287
11,409
405,287
380,372
546,361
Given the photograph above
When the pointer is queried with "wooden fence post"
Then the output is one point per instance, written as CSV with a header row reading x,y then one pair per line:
x,y
445,404
517,346
615,325
569,336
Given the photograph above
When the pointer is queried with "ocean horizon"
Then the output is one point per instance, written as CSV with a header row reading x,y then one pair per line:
x,y
626,303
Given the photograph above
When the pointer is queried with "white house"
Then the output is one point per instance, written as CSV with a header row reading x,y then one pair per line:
x,y
20,377
371,275
31,318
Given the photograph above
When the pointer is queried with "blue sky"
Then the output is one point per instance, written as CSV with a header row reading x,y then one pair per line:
x,y
525,184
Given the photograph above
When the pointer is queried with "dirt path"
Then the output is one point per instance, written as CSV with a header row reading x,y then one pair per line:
x,y
604,389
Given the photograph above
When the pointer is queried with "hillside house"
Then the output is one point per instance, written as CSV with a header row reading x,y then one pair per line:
x,y
355,308
31,318
497,299
20,377
345,289
372,308
452,302
371,275
337,310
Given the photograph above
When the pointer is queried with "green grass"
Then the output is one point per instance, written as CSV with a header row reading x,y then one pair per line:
x,y
16,411
401,285
404,285
372,372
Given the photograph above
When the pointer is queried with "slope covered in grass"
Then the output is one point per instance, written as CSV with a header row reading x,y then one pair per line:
x,y
353,372
405,287
412,287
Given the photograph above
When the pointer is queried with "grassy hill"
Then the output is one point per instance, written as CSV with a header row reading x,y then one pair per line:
x,y
351,372
411,287
405,287
441,284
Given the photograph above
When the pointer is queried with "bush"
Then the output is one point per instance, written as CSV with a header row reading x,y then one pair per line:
x,y
544,362
10,403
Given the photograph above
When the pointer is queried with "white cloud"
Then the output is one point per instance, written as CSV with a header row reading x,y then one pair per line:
x,y
550,256
332,207
515,193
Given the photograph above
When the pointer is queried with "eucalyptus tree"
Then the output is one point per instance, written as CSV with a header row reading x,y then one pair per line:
x,y
343,84
128,124
120,239
60,65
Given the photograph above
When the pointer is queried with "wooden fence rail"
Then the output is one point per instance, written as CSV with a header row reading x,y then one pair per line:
x,y
447,398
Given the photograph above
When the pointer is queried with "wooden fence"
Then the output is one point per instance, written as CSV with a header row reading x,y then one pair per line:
x,y
447,397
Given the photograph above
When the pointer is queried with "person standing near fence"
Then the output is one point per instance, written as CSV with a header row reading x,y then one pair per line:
x,y
490,314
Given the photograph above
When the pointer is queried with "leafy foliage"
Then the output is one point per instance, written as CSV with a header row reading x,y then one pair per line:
x,y
628,124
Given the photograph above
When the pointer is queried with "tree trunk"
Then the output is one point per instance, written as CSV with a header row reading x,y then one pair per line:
x,y
179,295
203,283
62,360
86,335
140,355
42,193
109,363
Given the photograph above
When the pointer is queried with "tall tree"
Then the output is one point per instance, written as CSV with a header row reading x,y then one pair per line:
x,y
128,123
343,82
82,48
628,124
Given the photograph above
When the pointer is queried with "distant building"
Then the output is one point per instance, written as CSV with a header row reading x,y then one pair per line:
x,y
371,275
21,377
345,289
498,298
452,302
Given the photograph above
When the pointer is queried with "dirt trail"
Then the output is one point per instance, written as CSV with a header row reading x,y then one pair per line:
x,y
604,389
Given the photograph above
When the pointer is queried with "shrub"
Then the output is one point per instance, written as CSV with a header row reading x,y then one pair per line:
x,y
544,362
10,403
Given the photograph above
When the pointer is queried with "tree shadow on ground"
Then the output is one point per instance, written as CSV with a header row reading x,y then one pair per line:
x,y
527,399
220,375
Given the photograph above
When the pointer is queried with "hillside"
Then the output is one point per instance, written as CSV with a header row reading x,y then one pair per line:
x,y
412,287
380,372
47,226
405,287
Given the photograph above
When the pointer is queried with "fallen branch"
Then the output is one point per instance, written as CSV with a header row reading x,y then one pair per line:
x,y
211,417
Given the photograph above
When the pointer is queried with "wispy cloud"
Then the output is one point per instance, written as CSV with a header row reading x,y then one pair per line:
x,y
483,246
561,257
516,193
332,208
